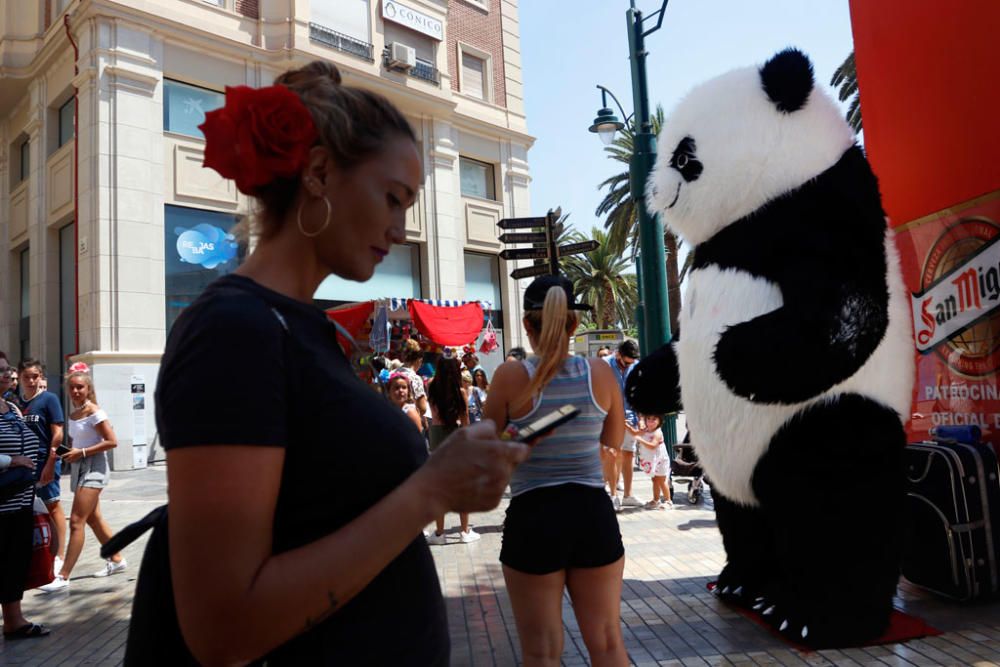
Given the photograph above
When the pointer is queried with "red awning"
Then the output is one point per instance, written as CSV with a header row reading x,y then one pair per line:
x,y
447,325
352,318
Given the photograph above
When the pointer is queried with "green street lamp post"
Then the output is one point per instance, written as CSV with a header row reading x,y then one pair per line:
x,y
654,310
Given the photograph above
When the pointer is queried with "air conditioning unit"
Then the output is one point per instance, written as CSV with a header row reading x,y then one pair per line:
x,y
402,57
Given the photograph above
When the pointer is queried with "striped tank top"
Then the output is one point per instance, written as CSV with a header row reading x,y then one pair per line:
x,y
572,454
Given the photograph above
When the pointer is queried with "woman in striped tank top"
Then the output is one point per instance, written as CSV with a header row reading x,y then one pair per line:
x,y
561,530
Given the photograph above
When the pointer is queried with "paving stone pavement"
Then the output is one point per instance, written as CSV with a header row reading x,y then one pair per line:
x,y
668,617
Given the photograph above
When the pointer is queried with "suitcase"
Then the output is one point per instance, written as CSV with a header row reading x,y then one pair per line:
x,y
953,493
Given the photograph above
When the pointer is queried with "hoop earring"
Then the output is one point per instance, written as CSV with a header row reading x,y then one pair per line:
x,y
326,223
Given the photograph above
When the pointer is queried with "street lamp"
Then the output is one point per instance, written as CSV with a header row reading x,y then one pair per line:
x,y
607,123
654,310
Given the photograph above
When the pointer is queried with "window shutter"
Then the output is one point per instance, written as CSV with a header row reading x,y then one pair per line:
x,y
473,76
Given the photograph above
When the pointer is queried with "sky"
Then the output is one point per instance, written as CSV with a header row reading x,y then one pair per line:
x,y
570,46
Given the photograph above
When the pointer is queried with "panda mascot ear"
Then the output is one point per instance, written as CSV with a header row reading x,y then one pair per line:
x,y
788,79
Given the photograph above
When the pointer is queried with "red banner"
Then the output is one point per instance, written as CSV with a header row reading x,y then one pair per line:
x,y
951,264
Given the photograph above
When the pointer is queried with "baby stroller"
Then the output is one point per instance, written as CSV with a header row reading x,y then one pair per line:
x,y
684,466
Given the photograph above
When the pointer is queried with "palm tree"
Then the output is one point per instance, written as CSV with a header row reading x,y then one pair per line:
x,y
622,217
846,77
599,279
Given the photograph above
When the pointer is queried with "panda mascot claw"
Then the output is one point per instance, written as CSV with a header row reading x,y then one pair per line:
x,y
795,359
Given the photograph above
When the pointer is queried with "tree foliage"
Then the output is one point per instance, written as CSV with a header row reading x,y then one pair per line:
x,y
845,77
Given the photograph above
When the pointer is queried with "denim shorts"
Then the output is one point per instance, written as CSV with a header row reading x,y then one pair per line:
x,y
50,492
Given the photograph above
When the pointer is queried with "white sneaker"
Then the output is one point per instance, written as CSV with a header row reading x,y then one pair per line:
x,y
57,565
111,567
667,505
653,505
434,538
616,502
631,501
57,584
470,536
621,486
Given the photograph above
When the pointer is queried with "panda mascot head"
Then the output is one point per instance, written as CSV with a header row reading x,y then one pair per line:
x,y
739,140
795,357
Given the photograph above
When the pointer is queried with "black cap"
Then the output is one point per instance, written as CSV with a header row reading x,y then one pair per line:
x,y
534,296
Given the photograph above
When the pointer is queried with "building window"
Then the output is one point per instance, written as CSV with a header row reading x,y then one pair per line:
x,y
477,179
475,75
24,161
67,291
350,18
24,329
424,48
66,122
397,276
184,107
217,3
198,248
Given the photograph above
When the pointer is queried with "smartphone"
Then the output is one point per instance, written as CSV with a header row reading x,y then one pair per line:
x,y
62,450
545,424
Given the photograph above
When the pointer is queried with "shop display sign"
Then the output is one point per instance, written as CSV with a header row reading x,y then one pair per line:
x,y
399,13
206,245
951,264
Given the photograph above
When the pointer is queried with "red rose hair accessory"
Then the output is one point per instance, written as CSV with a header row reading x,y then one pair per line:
x,y
79,367
261,134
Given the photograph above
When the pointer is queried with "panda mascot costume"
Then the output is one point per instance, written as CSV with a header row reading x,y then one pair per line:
x,y
794,357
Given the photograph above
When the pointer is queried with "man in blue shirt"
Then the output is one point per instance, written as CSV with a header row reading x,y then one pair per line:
x,y
44,416
622,362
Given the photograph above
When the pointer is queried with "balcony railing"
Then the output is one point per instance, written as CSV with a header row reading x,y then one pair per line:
x,y
426,71
423,70
341,42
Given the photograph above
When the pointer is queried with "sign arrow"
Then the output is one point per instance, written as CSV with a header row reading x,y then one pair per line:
x,y
522,223
524,253
529,271
576,248
529,237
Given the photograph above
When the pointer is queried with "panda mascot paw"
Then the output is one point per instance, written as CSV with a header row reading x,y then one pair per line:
x,y
796,365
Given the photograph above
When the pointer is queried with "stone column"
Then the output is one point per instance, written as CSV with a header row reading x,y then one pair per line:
x,y
121,237
445,238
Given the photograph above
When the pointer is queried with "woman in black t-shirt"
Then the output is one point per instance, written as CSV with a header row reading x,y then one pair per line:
x,y
285,545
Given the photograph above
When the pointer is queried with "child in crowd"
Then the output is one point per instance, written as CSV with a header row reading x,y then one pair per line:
x,y
654,461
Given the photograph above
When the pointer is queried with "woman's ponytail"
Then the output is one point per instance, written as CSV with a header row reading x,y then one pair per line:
x,y
554,324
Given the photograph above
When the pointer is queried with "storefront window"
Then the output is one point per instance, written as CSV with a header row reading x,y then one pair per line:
x,y
397,276
184,107
198,248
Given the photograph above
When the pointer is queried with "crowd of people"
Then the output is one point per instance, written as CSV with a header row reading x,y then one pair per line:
x,y
32,439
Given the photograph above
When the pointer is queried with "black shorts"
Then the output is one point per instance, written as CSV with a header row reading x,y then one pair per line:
x,y
560,527
16,534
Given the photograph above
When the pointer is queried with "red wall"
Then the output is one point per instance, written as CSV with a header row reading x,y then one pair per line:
x,y
929,75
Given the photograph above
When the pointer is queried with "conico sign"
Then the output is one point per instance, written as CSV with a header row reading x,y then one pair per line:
x,y
399,13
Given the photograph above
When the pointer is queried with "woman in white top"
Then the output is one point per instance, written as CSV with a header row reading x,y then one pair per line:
x,y
92,437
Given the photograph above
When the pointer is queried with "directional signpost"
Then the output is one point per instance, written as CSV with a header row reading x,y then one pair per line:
x,y
577,248
542,237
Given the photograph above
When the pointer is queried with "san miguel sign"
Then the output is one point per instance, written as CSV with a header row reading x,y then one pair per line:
x,y
962,276
960,295
951,264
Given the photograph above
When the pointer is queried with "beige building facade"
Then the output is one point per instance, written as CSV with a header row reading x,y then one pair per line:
x,y
106,211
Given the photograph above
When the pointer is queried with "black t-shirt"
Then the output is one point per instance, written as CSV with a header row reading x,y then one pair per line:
x,y
246,365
